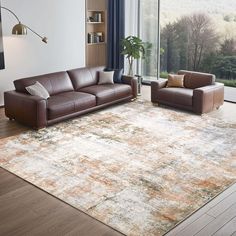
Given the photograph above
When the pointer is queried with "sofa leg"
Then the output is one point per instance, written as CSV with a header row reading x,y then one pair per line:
x,y
38,128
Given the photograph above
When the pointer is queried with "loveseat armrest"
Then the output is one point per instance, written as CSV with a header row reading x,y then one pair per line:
x,y
207,98
155,86
132,81
27,109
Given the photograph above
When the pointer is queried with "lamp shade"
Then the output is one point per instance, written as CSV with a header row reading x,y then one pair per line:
x,y
19,29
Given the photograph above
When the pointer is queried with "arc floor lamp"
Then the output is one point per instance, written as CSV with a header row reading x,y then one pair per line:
x,y
21,29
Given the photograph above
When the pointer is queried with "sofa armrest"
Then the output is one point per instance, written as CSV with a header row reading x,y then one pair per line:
x,y
155,86
132,81
27,109
207,98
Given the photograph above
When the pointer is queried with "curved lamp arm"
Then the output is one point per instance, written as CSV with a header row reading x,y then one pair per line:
x,y
44,39
11,13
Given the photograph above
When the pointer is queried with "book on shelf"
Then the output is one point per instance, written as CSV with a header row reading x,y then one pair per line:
x,y
98,17
95,37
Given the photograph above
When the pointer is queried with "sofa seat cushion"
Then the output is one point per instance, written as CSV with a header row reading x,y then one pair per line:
x,y
181,96
67,103
108,92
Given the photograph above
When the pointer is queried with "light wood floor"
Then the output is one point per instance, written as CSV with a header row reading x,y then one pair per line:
x,y
230,94
27,210
217,218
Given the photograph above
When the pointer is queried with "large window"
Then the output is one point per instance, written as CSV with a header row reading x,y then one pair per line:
x,y
198,35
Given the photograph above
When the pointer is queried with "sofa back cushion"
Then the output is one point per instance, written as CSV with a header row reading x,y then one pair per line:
x,y
54,83
193,80
84,77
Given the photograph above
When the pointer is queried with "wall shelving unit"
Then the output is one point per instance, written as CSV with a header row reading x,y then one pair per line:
x,y
96,32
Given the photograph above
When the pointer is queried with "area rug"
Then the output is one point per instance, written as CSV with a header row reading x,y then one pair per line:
x,y
136,167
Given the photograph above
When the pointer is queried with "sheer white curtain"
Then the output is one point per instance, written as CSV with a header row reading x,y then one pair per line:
x,y
131,23
149,33
142,20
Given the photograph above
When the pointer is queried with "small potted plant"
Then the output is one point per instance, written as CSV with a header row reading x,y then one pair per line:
x,y
133,48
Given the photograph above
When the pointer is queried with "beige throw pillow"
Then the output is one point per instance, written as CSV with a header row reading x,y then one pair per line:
x,y
106,77
37,89
175,81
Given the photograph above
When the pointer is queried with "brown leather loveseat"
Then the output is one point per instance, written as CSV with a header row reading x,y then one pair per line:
x,y
72,93
201,94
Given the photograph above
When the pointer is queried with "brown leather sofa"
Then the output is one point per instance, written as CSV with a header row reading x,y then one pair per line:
x,y
201,94
72,93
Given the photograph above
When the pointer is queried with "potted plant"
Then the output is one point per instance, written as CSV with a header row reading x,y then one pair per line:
x,y
132,48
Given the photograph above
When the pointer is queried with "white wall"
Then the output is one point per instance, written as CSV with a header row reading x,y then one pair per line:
x,y
63,22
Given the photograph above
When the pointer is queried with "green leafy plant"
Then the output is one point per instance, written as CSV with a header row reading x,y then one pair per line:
x,y
133,48
164,74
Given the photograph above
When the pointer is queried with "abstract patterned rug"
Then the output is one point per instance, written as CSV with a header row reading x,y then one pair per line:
x,y
139,168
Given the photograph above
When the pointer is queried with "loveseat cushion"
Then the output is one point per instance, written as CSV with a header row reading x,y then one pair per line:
x,y
176,81
54,83
67,103
193,80
108,92
84,77
181,96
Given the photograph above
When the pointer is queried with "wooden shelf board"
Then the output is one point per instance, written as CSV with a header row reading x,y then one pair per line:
x,y
94,23
90,44
95,11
